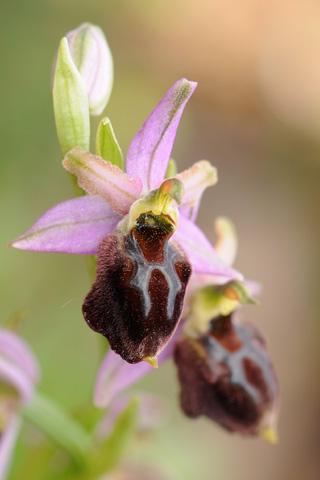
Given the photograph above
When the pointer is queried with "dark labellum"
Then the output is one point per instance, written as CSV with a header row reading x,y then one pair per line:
x,y
227,376
137,296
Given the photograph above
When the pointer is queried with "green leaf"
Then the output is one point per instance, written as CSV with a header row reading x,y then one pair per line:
x,y
116,444
56,423
107,145
70,102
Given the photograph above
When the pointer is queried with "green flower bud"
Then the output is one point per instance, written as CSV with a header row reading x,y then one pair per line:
x,y
70,103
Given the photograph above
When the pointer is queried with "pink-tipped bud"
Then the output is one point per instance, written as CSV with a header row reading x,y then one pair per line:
x,y
92,57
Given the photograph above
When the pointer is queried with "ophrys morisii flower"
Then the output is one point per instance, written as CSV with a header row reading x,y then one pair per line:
x,y
224,368
227,375
128,219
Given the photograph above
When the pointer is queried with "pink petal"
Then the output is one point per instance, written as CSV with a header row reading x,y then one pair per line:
x,y
19,353
200,252
7,442
254,287
150,150
16,377
75,226
195,180
115,375
98,177
226,244
190,212
106,426
152,413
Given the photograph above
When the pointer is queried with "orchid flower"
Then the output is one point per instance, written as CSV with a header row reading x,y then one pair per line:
x,y
224,368
19,373
129,219
226,374
79,225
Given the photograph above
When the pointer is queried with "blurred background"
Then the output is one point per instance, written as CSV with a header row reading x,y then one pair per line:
x,y
256,116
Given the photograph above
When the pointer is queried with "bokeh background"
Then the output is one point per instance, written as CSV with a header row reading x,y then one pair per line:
x,y
256,116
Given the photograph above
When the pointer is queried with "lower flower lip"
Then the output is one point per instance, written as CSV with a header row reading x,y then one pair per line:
x,y
137,297
237,387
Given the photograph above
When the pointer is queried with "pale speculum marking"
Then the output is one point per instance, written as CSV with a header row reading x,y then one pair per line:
x,y
144,270
234,361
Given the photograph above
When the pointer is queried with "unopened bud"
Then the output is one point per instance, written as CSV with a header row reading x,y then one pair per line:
x,y
92,57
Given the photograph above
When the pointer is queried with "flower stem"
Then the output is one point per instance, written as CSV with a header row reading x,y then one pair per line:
x,y
57,424
91,261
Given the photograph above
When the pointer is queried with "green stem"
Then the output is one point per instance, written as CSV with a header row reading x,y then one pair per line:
x,y
79,192
91,261
63,430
